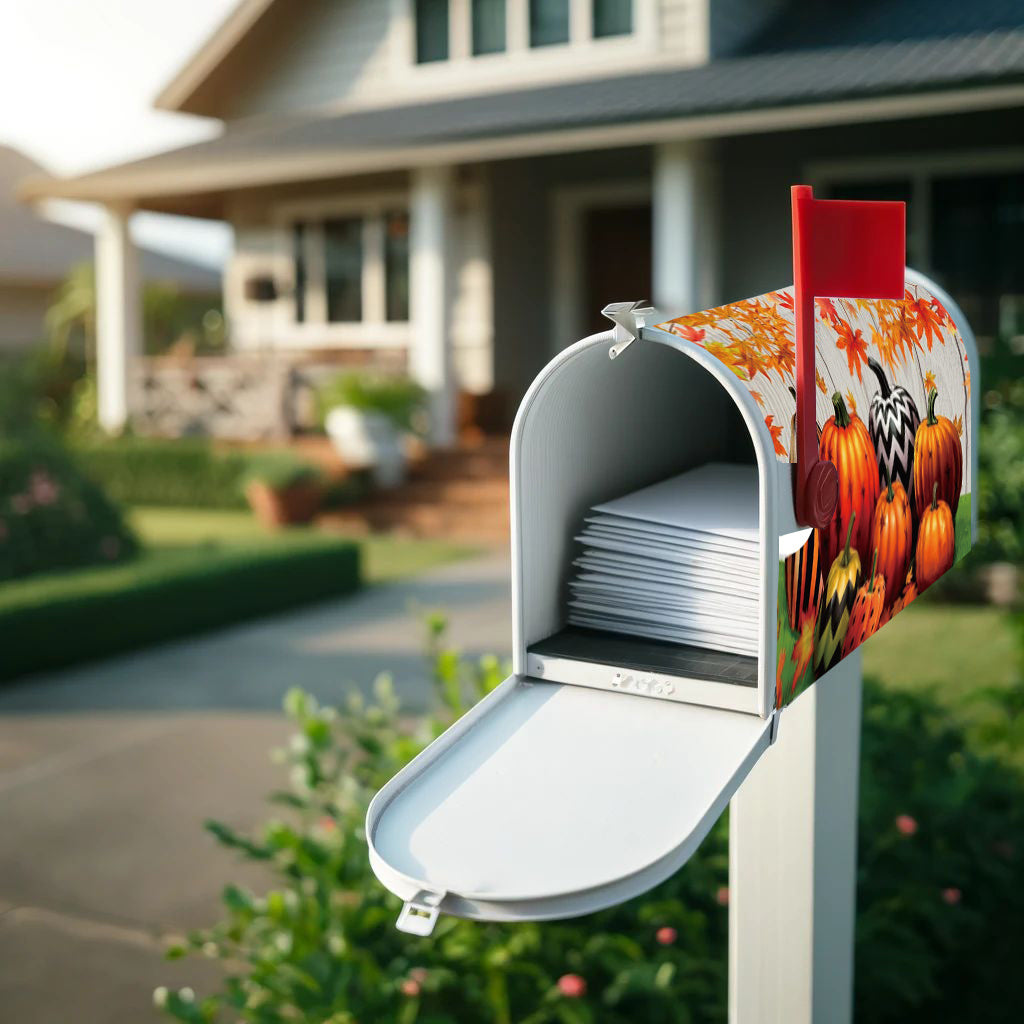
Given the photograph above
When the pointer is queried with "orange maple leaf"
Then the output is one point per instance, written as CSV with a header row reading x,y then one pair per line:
x,y
929,381
820,381
784,299
967,382
958,422
927,323
776,432
851,403
756,396
686,331
853,343
828,308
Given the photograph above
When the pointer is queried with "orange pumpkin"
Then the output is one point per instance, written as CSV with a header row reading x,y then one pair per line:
x,y
845,442
804,582
936,544
892,536
866,613
938,459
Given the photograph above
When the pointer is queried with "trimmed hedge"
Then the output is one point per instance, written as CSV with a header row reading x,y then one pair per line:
x,y
61,619
155,471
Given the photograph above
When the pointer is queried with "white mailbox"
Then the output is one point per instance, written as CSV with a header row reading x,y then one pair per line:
x,y
595,770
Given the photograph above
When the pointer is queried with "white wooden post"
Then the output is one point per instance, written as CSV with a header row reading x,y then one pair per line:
x,y
118,316
685,228
792,861
430,354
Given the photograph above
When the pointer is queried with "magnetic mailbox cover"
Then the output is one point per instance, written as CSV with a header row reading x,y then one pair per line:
x,y
548,800
894,414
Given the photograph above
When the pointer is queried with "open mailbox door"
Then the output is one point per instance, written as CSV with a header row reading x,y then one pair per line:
x,y
596,769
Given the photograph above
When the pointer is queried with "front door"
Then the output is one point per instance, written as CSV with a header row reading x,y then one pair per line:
x,y
616,259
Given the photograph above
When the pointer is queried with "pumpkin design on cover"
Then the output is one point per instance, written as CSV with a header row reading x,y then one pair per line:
x,y
845,442
804,583
936,544
938,459
840,591
892,536
893,420
866,612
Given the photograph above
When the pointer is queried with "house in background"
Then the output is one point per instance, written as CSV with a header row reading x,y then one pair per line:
x,y
457,187
36,255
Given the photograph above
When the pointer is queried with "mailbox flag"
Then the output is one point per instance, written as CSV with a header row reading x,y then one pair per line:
x,y
857,250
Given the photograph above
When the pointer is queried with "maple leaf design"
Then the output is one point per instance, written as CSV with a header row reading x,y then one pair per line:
x,y
756,396
784,299
827,307
851,403
820,381
958,422
927,323
687,332
725,354
776,432
967,382
929,381
854,345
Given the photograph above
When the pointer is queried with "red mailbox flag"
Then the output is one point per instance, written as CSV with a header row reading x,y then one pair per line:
x,y
847,249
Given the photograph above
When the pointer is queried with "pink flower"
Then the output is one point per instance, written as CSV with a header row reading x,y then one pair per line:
x,y
906,825
110,547
44,490
952,896
722,896
666,936
572,986
410,988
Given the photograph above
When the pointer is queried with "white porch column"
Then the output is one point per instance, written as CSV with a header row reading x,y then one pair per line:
x,y
684,208
118,316
430,355
792,861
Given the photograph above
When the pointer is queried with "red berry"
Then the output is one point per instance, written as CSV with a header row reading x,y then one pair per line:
x,y
572,986
666,936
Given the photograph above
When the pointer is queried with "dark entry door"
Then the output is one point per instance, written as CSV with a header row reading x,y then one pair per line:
x,y
616,259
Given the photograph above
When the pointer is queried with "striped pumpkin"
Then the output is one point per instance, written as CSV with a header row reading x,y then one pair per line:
x,y
938,460
804,582
893,420
834,619
845,442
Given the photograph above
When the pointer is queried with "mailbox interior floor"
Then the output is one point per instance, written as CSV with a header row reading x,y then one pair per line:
x,y
641,655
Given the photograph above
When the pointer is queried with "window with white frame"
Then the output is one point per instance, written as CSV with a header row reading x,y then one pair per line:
x,y
351,268
542,23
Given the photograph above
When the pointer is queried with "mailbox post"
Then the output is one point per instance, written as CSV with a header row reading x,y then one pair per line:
x,y
595,770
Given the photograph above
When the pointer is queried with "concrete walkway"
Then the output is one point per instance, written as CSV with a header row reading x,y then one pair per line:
x,y
108,771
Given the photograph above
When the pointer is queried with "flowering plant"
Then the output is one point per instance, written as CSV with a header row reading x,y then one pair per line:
x,y
941,921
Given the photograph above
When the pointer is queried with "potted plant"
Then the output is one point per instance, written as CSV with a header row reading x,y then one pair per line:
x,y
367,416
283,489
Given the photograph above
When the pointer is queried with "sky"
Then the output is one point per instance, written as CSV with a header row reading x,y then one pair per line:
x,y
78,78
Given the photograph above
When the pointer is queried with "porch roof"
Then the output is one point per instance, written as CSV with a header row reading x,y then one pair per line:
x,y
762,91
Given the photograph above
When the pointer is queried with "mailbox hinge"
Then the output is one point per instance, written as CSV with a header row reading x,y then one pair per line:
x,y
419,915
629,318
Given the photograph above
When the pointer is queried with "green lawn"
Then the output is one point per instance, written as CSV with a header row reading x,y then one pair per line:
x,y
383,558
955,647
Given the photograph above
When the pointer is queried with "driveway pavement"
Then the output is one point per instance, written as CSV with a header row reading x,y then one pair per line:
x,y
107,772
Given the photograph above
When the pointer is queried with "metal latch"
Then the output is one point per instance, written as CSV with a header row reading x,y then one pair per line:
x,y
629,318
419,915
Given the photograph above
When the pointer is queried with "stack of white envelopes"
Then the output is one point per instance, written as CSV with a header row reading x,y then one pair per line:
x,y
678,561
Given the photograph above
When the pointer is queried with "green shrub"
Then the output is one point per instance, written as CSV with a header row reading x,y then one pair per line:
x,y
940,911
1001,490
51,516
157,471
165,595
398,398
280,470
